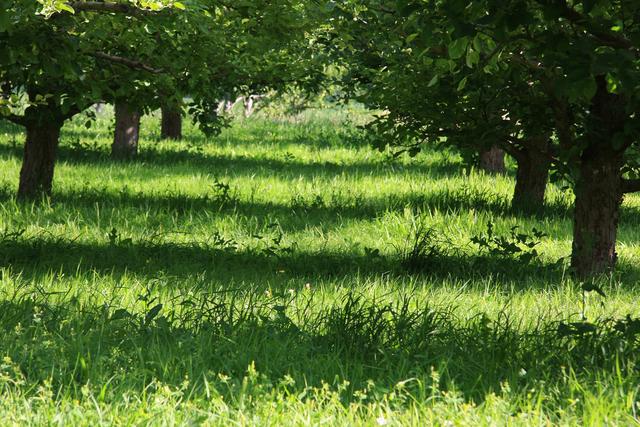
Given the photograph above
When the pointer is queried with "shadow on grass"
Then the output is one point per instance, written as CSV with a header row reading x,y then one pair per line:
x,y
303,211
262,264
463,199
242,165
378,347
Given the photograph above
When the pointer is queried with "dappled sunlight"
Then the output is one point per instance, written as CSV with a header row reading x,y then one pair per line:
x,y
249,267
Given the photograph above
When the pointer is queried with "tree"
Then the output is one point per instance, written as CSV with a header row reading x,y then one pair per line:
x,y
171,122
394,65
127,131
61,57
582,56
52,68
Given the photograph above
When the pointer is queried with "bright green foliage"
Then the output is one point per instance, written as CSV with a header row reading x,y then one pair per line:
x,y
147,54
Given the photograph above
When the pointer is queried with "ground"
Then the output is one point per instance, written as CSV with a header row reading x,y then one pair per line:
x,y
285,273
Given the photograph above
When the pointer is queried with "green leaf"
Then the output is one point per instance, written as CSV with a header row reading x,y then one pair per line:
x,y
65,7
153,312
411,37
462,83
457,48
473,57
120,314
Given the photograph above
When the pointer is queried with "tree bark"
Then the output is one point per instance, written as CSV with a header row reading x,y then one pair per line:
x,y
599,187
532,176
171,123
597,209
38,162
492,160
127,131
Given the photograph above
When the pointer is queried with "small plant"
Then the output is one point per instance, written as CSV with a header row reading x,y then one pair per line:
x,y
220,242
223,192
273,245
115,238
520,246
299,202
371,252
421,249
288,157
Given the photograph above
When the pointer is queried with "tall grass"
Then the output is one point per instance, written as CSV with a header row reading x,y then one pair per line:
x,y
283,273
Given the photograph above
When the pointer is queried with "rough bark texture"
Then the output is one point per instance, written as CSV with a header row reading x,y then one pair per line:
x,y
599,187
597,207
171,123
36,175
532,176
127,131
492,160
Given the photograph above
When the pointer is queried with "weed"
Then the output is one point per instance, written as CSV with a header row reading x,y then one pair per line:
x,y
518,245
422,248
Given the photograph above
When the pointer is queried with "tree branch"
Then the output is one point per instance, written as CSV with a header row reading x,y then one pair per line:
x,y
512,149
606,37
630,185
14,118
131,63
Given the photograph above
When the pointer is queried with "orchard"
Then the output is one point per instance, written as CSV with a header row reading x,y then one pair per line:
x,y
353,212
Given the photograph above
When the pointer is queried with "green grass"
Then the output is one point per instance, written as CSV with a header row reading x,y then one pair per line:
x,y
280,254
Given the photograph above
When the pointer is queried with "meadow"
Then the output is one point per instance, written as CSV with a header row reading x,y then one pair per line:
x,y
285,273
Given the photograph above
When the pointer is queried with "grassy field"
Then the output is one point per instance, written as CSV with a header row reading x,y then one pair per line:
x,y
283,273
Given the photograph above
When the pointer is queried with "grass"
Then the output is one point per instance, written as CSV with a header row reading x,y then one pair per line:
x,y
283,273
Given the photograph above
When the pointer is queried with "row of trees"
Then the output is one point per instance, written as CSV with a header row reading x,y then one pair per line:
x,y
553,83
58,58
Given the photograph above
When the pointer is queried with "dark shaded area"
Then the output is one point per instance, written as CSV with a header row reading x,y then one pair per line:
x,y
262,262
240,165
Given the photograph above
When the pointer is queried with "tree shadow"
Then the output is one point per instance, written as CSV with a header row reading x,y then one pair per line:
x,y
260,261
463,199
428,349
302,212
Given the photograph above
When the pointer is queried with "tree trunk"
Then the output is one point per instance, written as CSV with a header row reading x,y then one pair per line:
x,y
38,162
595,221
492,160
599,186
171,124
532,176
127,132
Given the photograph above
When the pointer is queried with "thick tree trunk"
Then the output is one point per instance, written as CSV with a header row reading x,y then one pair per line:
x,y
127,132
597,206
599,186
36,175
531,177
171,123
492,160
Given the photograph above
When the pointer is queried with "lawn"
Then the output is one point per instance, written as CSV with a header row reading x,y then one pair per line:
x,y
285,273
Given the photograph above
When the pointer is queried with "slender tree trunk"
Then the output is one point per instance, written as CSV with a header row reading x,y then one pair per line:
x,y
599,186
171,123
248,105
492,160
127,131
532,176
38,162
